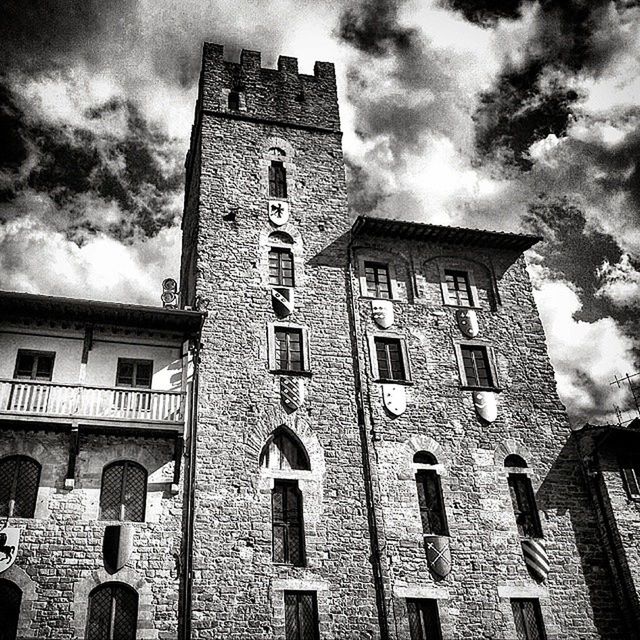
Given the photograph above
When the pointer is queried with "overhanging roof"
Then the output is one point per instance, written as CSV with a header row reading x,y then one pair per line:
x,y
439,233
28,305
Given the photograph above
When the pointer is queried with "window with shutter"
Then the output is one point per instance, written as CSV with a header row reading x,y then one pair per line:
x,y
377,279
389,355
19,482
528,619
288,349
475,362
524,506
434,520
34,365
277,179
424,621
458,288
123,493
287,523
281,267
10,600
113,612
301,615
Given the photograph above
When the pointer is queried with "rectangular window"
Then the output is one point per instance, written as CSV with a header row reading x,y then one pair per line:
x,y
301,615
288,349
391,364
288,528
277,180
34,365
432,512
458,288
631,473
528,619
134,373
424,621
475,361
524,506
377,278
280,267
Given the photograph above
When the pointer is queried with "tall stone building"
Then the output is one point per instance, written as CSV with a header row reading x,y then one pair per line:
x,y
380,451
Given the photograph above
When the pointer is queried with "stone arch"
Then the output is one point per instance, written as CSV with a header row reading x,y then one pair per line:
x,y
83,587
276,142
290,448
510,447
428,444
21,578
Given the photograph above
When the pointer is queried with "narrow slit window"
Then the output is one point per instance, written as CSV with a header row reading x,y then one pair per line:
x,y
424,620
301,615
288,529
19,483
378,281
277,179
477,370
528,619
631,473
281,267
233,101
123,493
524,506
458,288
113,612
391,365
432,514
288,349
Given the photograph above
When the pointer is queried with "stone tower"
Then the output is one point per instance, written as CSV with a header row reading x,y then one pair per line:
x,y
379,450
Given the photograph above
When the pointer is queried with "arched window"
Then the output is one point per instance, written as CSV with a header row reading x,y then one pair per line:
x,y
10,600
424,457
19,481
522,498
113,612
284,451
123,493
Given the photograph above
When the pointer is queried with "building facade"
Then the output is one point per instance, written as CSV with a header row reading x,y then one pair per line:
x,y
360,438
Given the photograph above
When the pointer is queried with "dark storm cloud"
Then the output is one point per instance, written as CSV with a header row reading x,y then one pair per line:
x,y
485,12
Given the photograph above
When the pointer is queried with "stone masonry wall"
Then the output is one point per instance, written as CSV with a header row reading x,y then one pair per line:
x,y
59,559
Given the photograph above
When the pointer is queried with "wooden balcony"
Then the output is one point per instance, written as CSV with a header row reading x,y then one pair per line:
x,y
36,401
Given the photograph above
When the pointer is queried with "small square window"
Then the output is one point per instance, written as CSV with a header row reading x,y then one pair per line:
x,y
134,373
631,473
528,619
288,349
476,366
390,359
377,279
281,267
458,288
34,365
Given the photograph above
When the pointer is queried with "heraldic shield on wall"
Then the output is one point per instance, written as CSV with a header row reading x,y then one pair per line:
x,y
486,405
291,393
9,540
117,546
468,322
535,557
395,398
278,212
282,301
382,312
438,555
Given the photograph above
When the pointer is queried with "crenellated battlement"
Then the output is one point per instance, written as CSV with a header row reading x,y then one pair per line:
x,y
246,89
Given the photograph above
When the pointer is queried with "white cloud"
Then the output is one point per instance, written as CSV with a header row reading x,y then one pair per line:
x,y
619,282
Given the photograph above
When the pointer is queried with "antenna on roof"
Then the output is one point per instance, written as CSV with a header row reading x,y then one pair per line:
x,y
169,295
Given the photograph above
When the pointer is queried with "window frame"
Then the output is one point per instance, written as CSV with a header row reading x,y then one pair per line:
x,y
490,362
460,266
518,475
135,362
121,504
380,258
298,594
540,631
34,369
421,605
630,470
15,482
272,328
424,472
272,179
377,265
112,586
281,250
404,355
286,525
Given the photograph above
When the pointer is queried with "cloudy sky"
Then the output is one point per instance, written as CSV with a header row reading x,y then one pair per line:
x,y
500,114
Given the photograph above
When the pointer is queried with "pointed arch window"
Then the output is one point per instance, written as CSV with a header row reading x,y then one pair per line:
x,y
10,601
19,482
123,493
284,451
113,612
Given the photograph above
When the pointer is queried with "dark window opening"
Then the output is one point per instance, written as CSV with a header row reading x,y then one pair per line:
x,y
378,281
123,493
284,451
288,528
390,361
301,615
288,349
277,180
434,519
113,612
280,267
233,101
424,457
524,506
528,619
134,373
515,461
424,620
458,288
477,371
34,365
19,482
10,600
631,473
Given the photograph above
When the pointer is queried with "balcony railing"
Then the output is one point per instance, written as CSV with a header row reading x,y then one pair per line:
x,y
51,400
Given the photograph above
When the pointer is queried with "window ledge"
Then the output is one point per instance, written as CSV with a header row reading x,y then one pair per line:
x,y
289,565
469,388
285,372
462,306
379,298
406,383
